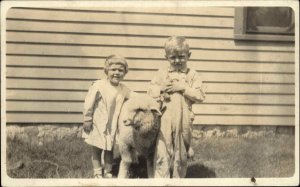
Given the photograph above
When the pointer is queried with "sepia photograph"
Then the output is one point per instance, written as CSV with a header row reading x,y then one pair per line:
x,y
148,93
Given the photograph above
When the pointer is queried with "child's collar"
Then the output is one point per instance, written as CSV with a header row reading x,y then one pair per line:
x,y
183,70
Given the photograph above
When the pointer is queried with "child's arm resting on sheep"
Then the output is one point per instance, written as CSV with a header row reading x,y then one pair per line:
x,y
156,88
88,109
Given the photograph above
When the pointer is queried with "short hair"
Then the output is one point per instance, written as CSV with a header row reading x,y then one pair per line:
x,y
115,59
176,43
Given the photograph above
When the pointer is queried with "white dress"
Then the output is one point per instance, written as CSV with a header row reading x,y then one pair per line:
x,y
102,108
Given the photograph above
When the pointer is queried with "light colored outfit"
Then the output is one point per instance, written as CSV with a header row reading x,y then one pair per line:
x,y
102,107
174,138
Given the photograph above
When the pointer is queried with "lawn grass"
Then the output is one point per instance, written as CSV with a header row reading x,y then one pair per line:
x,y
72,157
214,157
243,157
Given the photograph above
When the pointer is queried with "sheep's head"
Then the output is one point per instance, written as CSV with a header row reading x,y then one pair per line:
x,y
145,122
143,114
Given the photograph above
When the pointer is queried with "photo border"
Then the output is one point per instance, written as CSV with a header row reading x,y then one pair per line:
x,y
7,181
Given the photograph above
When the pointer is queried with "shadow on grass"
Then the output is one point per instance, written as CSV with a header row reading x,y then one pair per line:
x,y
136,170
195,170
199,171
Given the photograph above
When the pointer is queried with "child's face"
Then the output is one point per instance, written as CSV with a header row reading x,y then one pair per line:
x,y
178,58
115,73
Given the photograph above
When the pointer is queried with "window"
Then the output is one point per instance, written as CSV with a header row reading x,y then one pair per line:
x,y
264,23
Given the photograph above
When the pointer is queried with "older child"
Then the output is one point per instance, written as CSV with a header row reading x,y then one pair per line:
x,y
177,88
101,110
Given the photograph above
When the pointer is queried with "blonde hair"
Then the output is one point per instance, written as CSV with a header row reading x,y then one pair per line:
x,y
115,59
176,43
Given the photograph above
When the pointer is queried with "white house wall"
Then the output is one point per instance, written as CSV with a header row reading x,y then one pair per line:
x,y
53,55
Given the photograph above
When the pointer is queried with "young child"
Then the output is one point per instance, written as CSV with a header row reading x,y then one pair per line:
x,y
176,87
101,111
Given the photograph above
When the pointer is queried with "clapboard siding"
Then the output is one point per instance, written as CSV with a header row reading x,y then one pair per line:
x,y
53,55
141,86
97,40
117,29
229,109
28,94
153,64
160,10
138,75
119,18
136,52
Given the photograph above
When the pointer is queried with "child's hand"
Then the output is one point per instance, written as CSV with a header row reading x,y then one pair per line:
x,y
178,86
87,127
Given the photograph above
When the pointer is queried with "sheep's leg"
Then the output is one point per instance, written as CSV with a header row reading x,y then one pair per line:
x,y
124,170
150,168
125,157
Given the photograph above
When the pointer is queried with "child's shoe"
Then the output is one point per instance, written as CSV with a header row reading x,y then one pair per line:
x,y
108,175
98,173
98,176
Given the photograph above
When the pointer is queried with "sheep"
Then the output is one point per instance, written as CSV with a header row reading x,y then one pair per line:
x,y
139,124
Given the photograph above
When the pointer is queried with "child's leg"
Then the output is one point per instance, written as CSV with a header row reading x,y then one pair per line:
x,y
96,161
180,160
164,148
108,160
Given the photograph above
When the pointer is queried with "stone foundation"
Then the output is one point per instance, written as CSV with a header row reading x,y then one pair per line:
x,y
42,133
39,134
241,131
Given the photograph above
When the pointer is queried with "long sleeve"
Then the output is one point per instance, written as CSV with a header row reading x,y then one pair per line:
x,y
195,92
88,109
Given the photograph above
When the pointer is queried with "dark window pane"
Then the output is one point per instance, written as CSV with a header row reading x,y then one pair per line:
x,y
266,20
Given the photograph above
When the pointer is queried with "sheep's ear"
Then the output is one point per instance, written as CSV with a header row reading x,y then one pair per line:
x,y
156,111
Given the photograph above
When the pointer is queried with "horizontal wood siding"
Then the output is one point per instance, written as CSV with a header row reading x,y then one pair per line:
x,y
53,55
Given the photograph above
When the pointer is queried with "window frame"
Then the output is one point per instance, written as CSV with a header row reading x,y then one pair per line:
x,y
240,18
